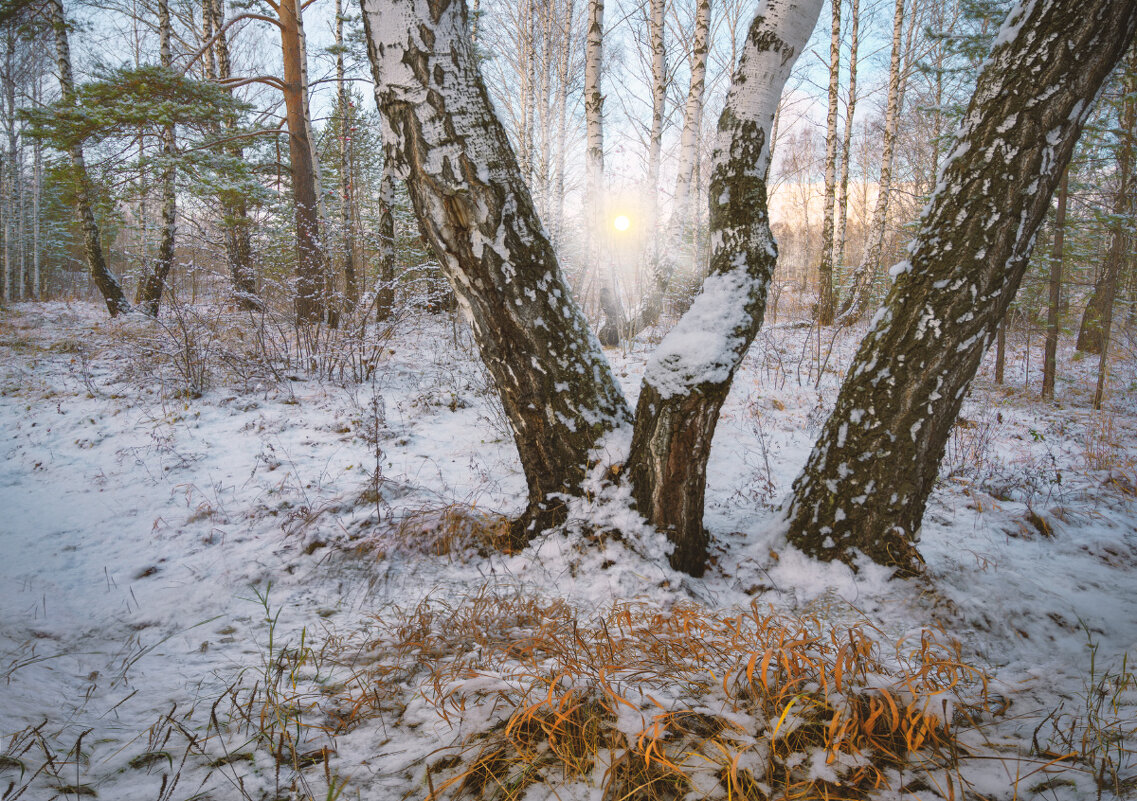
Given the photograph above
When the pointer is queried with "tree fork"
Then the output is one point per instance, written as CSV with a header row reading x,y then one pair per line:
x,y
867,481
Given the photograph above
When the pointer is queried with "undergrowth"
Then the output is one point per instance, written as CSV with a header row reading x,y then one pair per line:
x,y
637,703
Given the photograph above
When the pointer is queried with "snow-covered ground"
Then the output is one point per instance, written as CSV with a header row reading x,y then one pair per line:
x,y
152,543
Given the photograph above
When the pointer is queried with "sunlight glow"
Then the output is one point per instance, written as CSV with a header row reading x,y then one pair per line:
x,y
622,223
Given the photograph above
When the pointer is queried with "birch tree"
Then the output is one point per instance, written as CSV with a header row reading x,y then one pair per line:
x,y
826,302
857,301
557,388
688,377
692,114
149,295
103,278
867,480
842,211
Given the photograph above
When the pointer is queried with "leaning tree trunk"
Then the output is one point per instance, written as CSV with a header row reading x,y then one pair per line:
x,y
311,281
857,300
689,375
105,281
476,212
867,481
826,302
149,295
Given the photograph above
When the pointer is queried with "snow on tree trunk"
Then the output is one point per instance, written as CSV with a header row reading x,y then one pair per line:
x,y
149,295
867,481
105,281
311,280
858,299
689,375
826,302
476,212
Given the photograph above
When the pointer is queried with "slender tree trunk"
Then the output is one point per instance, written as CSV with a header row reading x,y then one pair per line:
x,y
594,169
104,279
565,65
693,114
1050,358
311,264
1001,351
478,216
37,190
385,298
653,297
826,302
688,377
857,301
1121,246
234,204
847,138
867,481
149,295
347,231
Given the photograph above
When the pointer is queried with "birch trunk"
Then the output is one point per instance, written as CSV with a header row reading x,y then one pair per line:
x,y
847,138
693,113
385,293
104,280
311,262
857,301
149,296
689,375
866,483
594,167
653,298
478,216
826,302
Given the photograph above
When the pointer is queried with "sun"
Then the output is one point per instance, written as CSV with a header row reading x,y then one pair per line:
x,y
622,223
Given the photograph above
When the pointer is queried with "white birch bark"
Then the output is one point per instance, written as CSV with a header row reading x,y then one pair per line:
x,y
693,113
826,300
847,139
688,377
866,483
859,293
477,213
